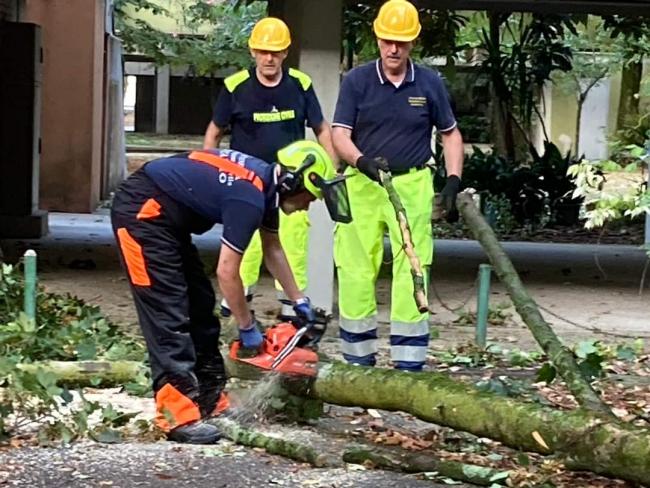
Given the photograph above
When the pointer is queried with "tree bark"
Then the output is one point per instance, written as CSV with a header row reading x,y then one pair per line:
x,y
561,357
421,462
628,106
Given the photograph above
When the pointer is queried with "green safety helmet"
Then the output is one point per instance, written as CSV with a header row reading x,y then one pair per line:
x,y
307,166
295,154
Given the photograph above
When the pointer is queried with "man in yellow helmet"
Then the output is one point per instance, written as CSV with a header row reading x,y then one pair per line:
x,y
155,213
267,107
385,114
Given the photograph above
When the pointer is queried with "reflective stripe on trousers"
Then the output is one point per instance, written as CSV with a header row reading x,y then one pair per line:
x,y
409,342
358,337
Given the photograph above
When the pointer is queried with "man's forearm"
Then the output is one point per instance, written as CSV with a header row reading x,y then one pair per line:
x,y
346,149
324,136
233,291
452,143
212,136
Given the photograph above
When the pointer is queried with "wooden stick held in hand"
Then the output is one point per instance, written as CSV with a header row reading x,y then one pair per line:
x,y
419,293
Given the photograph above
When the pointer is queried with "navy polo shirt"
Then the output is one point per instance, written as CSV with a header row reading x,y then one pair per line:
x,y
394,122
219,197
265,119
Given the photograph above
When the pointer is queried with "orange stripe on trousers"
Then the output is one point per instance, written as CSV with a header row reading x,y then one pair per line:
x,y
132,252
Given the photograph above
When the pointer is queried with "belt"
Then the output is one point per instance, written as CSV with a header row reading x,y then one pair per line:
x,y
412,169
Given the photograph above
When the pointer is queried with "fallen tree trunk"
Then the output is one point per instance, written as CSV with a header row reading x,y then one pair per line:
x,y
274,444
561,357
420,462
88,373
587,441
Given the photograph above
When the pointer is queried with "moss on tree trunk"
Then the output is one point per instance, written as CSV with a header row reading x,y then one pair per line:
x,y
588,441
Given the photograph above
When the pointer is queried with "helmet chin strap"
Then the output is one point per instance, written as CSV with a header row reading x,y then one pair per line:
x,y
291,181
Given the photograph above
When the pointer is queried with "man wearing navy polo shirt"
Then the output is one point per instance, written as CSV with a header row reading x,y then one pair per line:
x,y
267,108
384,118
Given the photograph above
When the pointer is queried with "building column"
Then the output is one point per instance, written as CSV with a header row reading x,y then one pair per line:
x,y
163,74
316,31
72,96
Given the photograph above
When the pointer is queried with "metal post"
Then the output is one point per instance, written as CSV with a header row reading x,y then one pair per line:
x,y
29,299
485,271
647,216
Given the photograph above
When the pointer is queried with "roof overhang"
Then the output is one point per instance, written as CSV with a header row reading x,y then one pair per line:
x,y
598,7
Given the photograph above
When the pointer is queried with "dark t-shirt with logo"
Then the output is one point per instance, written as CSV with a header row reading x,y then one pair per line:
x,y
265,119
218,196
395,122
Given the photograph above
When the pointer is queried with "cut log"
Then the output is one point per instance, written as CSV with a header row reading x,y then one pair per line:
x,y
420,462
274,444
586,440
561,357
89,373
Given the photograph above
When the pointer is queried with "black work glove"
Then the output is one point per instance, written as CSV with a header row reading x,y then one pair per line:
x,y
446,200
371,166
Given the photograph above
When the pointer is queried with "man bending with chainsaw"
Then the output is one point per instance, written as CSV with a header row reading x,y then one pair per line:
x,y
154,213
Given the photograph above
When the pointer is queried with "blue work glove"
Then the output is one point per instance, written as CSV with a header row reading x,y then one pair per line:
x,y
304,310
250,337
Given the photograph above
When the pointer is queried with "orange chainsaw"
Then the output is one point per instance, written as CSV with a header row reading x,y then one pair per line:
x,y
289,347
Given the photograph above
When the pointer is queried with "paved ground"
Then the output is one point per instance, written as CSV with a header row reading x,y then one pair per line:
x,y
164,464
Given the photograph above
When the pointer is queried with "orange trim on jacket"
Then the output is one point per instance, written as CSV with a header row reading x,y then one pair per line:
x,y
228,166
132,252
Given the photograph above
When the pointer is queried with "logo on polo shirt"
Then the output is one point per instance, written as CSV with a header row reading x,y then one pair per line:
x,y
274,115
417,101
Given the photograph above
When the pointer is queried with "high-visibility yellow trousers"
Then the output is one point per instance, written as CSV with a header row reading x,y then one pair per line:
x,y
358,252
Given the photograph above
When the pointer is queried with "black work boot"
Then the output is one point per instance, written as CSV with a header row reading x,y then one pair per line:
x,y
197,432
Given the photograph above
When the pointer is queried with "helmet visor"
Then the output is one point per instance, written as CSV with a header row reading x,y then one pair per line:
x,y
335,195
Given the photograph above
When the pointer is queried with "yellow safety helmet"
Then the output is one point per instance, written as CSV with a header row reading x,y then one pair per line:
x,y
270,34
397,21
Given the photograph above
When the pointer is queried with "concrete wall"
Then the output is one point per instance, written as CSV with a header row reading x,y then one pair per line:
x,y
564,110
316,32
72,101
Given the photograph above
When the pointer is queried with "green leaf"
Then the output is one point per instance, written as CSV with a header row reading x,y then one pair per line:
x,y
86,350
66,396
625,353
434,332
500,476
473,471
585,348
523,459
495,457
547,373
592,367
107,436
65,434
